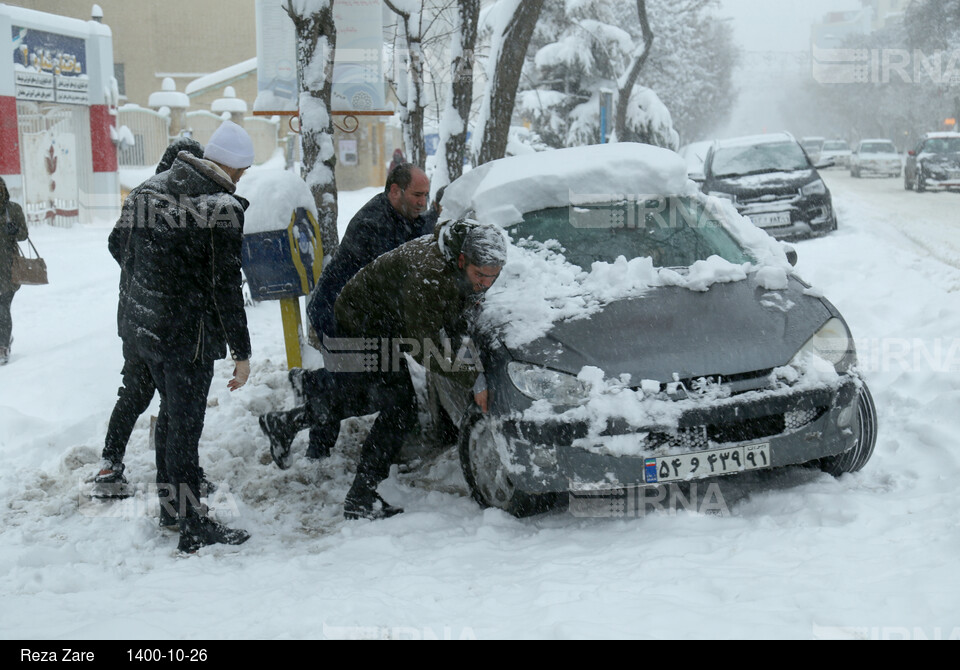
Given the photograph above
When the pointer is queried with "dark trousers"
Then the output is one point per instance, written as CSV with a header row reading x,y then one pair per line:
x,y
334,397
183,387
6,322
133,398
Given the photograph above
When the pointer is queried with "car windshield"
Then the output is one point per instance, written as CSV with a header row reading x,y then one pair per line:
x,y
942,145
759,158
878,148
674,232
836,145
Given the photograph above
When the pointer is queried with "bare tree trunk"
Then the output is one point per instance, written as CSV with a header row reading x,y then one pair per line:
x,y
627,83
413,109
456,116
316,42
509,51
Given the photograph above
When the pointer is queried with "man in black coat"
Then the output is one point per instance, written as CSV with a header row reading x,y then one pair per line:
x,y
427,292
387,221
184,308
136,393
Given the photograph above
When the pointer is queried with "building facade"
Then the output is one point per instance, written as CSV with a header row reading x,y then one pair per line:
x,y
58,107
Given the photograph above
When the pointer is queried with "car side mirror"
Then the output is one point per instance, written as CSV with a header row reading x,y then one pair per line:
x,y
791,253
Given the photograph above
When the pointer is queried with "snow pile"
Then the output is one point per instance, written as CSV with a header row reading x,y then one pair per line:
x,y
273,194
538,287
502,191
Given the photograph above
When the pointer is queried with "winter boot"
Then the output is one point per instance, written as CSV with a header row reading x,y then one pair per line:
x,y
363,502
281,428
110,473
200,531
4,355
110,482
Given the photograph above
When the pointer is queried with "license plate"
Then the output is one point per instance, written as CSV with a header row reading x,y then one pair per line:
x,y
710,463
774,219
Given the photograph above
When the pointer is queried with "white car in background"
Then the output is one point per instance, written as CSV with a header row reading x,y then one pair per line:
x,y
876,156
838,150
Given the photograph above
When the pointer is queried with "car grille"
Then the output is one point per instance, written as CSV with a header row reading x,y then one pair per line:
x,y
748,430
765,199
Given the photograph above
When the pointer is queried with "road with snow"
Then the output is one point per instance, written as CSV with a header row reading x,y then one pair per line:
x,y
790,554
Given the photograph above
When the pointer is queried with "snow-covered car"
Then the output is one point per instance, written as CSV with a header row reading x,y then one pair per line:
x,y
643,334
935,163
770,179
875,156
837,150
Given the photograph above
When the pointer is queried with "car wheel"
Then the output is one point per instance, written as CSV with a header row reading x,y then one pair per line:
x,y
491,484
855,458
907,184
921,181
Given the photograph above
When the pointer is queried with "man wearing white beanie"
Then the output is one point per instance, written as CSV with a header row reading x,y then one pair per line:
x,y
184,310
231,148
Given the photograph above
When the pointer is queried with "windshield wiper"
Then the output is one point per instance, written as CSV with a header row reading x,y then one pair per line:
x,y
753,172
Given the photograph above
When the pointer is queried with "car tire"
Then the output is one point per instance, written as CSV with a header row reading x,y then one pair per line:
x,y
921,185
907,184
855,458
489,480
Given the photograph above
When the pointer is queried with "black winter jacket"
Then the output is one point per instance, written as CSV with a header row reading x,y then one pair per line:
x,y
373,231
183,297
13,229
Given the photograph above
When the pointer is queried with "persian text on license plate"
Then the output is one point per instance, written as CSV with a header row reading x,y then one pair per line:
x,y
706,463
777,219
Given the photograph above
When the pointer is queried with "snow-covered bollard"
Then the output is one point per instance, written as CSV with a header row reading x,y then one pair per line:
x,y
282,253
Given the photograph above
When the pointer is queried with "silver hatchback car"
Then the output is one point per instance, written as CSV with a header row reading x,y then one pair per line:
x,y
643,333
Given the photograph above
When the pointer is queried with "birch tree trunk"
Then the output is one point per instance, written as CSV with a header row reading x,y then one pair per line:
x,y
412,110
459,95
316,41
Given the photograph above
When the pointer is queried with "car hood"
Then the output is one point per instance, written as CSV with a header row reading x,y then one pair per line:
x,y
768,183
733,328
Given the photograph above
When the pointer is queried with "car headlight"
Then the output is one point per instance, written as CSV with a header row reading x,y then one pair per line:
x,y
726,196
539,383
814,188
832,343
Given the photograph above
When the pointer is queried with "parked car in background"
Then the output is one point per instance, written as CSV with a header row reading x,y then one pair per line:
x,y
813,146
838,150
643,333
771,180
876,156
934,163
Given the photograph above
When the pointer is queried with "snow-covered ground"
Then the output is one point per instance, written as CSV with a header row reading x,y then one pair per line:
x,y
792,554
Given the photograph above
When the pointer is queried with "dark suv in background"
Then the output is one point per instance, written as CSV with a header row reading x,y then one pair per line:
x,y
935,163
770,179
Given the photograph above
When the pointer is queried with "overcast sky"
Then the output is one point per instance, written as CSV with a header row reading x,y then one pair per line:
x,y
778,25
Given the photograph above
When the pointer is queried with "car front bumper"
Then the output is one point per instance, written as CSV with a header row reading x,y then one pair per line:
x,y
799,217
798,427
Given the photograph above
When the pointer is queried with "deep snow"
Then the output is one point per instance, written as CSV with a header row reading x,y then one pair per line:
x,y
793,554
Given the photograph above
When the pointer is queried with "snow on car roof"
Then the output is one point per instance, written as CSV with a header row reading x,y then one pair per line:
x,y
940,135
748,140
502,191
